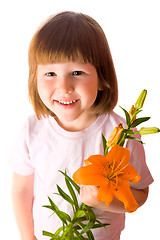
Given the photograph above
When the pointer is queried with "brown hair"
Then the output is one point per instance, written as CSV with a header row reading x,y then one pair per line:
x,y
70,36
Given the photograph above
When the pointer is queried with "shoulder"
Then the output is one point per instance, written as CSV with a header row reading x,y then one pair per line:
x,y
114,119
33,123
33,127
109,122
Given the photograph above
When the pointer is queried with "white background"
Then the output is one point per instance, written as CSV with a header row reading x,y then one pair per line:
x,y
132,30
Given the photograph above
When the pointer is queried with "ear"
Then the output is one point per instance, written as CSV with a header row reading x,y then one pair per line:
x,y
100,88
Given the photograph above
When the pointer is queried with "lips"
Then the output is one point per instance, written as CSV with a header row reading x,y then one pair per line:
x,y
66,102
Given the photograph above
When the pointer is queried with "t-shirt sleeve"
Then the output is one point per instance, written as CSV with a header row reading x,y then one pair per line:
x,y
19,159
138,160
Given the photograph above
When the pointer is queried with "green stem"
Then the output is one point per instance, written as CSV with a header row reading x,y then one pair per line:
x,y
135,133
122,140
66,231
106,151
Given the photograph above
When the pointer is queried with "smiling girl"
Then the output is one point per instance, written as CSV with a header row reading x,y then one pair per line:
x,y
69,90
73,90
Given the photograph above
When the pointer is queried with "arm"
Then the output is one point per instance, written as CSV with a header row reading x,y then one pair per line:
x,y
88,195
22,198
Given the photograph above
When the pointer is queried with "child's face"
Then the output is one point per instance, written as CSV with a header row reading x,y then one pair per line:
x,y
69,90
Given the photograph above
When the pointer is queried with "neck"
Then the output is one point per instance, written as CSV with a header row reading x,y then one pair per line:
x,y
77,125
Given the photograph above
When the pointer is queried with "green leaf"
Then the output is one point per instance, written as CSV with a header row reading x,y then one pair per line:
x,y
71,234
62,215
65,233
64,195
98,225
92,219
53,236
136,139
139,121
83,220
45,233
128,120
72,192
53,205
88,233
48,206
80,237
136,113
128,131
105,149
83,206
71,181
80,213
58,231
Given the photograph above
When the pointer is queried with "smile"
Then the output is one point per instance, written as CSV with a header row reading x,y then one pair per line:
x,y
68,102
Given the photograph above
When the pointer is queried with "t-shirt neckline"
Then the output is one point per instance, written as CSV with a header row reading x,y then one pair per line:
x,y
94,127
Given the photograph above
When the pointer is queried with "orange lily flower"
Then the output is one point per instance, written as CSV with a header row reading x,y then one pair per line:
x,y
112,174
115,136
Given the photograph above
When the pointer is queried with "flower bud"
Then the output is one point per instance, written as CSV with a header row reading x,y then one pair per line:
x,y
131,112
141,99
148,130
115,136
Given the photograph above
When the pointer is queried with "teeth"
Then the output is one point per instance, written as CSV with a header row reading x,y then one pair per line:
x,y
67,103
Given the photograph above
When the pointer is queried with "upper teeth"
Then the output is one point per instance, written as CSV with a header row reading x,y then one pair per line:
x,y
67,102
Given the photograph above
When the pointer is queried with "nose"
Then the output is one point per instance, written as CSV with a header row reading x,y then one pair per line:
x,y
65,85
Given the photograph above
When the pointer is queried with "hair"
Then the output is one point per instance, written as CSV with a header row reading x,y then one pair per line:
x,y
68,37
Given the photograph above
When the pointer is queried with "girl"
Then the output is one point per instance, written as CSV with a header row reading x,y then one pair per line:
x,y
73,90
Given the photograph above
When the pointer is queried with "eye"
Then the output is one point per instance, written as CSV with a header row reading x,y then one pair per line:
x,y
50,74
77,73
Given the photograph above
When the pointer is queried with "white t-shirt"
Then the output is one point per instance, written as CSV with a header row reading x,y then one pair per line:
x,y
43,148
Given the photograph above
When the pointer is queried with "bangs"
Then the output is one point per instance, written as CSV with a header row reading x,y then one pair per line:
x,y
66,39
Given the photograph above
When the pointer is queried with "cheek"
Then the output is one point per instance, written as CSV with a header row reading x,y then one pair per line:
x,y
90,86
91,91
44,90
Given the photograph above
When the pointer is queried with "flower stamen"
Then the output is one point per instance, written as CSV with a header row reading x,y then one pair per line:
x,y
117,171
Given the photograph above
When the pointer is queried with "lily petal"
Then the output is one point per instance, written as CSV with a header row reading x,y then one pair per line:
x,y
100,161
120,156
130,174
136,179
125,195
89,175
105,194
